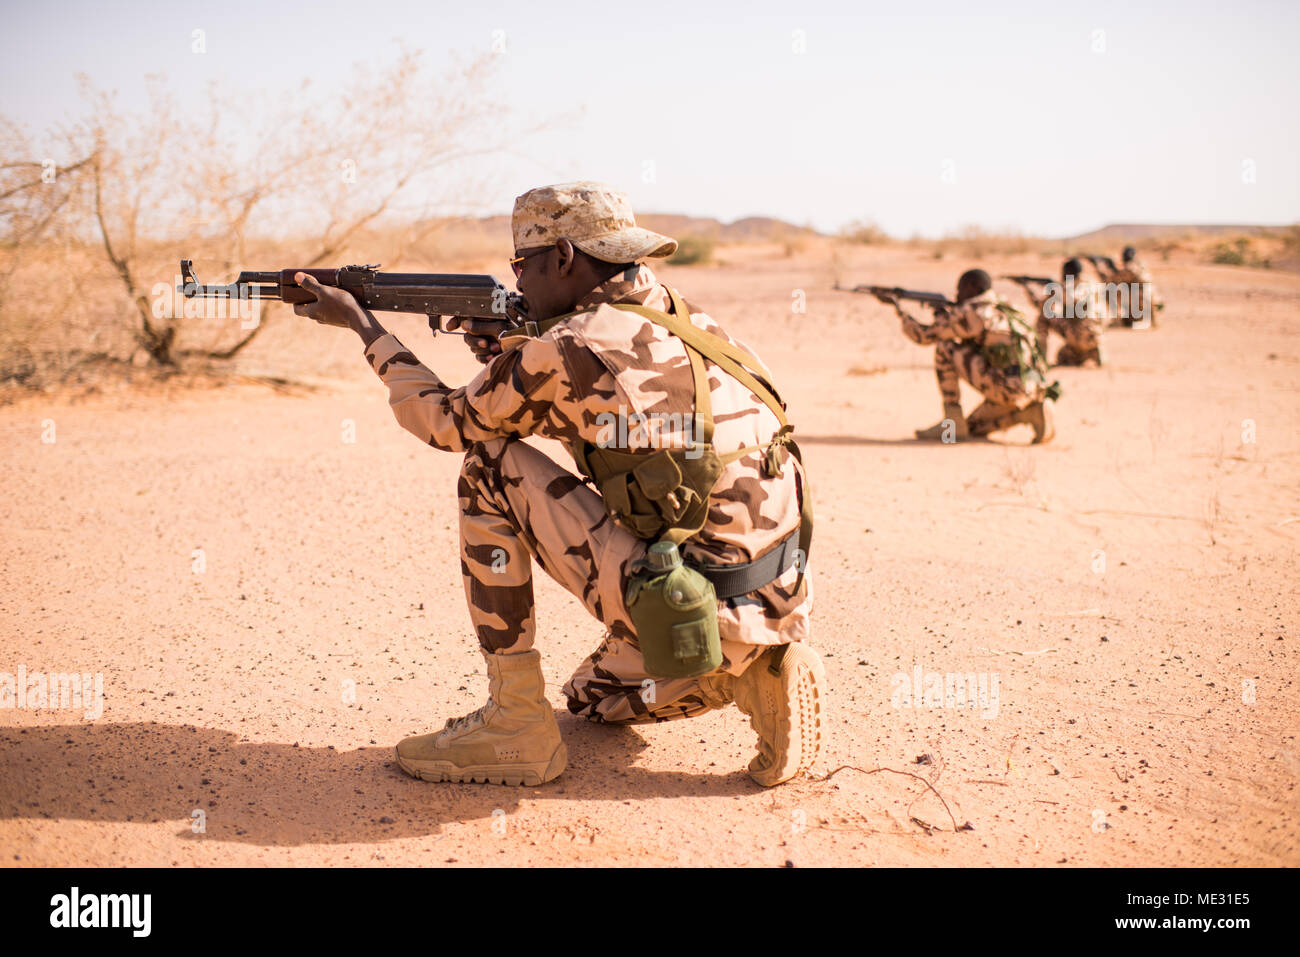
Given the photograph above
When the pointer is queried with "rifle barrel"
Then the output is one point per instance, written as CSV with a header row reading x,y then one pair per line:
x,y
434,294
898,292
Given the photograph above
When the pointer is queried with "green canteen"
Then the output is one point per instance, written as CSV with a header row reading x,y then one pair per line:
x,y
675,613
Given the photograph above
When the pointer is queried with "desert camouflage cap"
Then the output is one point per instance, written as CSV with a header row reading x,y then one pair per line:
x,y
594,217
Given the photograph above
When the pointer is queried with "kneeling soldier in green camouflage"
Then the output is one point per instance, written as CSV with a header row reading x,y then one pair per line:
x,y
1075,309
983,340
679,428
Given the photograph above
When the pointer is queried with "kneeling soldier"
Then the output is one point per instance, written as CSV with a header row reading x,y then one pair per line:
x,y
983,340
1138,303
679,428
1076,311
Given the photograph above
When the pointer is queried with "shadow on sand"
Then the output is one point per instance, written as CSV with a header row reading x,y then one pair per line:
x,y
283,794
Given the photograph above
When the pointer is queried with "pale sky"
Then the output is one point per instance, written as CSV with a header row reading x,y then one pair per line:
x,y
1052,119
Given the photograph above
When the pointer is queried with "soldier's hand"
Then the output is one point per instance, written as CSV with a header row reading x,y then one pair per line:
x,y
480,335
333,306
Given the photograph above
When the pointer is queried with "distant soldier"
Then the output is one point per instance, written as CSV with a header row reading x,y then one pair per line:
x,y
1135,296
983,340
1075,309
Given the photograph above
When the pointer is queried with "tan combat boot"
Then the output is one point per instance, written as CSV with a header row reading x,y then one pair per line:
x,y
1041,416
958,429
718,689
782,692
513,739
986,417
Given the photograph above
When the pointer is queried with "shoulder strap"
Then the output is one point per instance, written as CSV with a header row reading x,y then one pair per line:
x,y
717,350
736,363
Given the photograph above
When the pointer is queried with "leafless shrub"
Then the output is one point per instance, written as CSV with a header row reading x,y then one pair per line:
x,y
1213,515
1020,469
83,258
865,233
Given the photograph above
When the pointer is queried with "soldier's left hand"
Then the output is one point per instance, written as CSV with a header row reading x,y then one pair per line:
x,y
333,306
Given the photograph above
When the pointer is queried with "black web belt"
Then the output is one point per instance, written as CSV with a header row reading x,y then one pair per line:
x,y
732,581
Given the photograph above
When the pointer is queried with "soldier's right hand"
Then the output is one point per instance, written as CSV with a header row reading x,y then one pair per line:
x,y
480,335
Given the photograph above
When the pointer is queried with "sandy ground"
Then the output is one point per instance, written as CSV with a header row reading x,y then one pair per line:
x,y
271,607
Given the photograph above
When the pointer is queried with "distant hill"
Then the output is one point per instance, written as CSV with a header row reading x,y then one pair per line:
x,y
768,229
749,229
1120,233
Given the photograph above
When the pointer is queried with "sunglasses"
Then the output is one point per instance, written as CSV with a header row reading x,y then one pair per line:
x,y
517,264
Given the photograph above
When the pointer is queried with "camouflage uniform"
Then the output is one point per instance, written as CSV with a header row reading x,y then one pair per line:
x,y
959,335
598,377
1139,303
1080,321
1135,299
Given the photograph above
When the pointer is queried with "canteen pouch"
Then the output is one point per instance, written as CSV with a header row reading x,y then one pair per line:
x,y
675,613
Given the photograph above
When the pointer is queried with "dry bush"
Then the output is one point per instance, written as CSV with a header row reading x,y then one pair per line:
x,y
88,260
1213,515
692,251
451,245
865,233
1291,242
794,246
1019,469
975,242
63,314
1238,251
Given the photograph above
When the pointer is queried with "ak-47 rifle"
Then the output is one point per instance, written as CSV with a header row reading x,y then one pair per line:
x,y
887,293
434,294
1031,280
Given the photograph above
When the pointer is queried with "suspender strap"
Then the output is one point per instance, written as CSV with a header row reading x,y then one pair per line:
x,y
717,350
735,361
752,374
